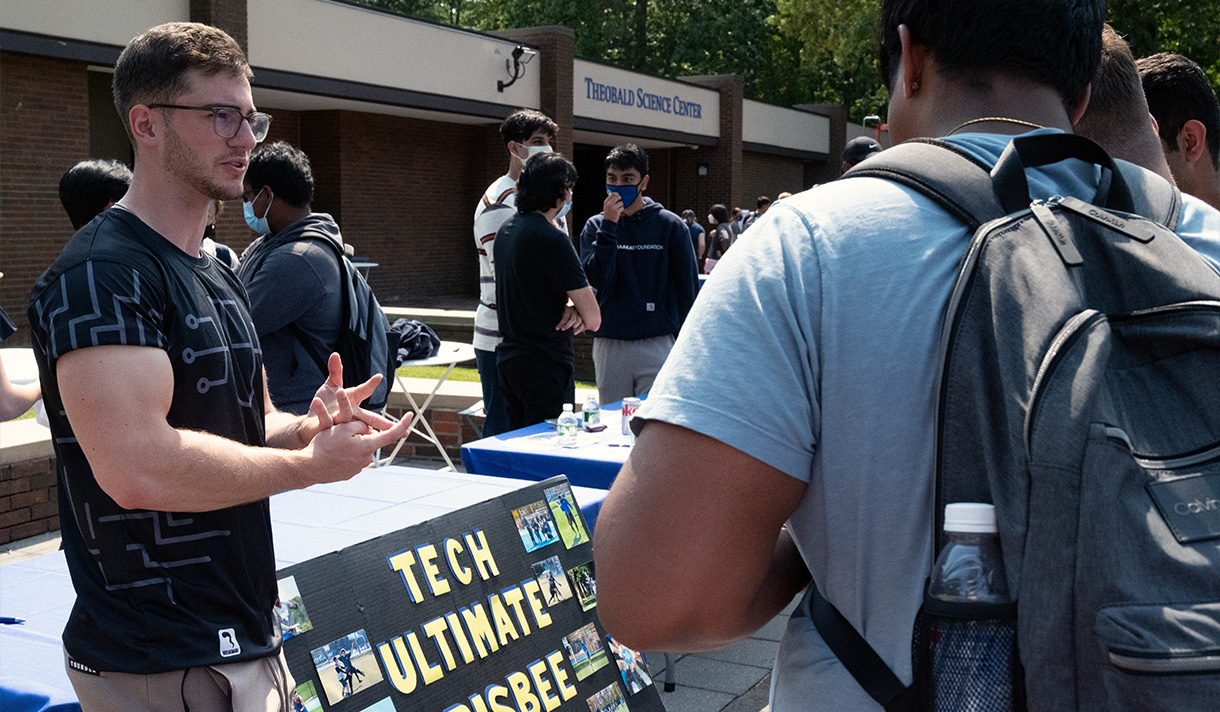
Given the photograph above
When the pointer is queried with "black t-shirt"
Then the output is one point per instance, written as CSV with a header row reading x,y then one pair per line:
x,y
158,591
536,267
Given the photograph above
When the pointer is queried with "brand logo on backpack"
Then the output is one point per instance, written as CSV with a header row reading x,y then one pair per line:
x,y
1190,506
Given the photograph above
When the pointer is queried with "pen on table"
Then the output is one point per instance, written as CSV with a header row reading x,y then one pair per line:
x,y
5,620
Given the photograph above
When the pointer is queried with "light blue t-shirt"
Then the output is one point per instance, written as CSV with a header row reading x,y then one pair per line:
x,y
831,305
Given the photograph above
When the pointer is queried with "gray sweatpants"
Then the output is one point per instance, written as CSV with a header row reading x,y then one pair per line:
x,y
628,368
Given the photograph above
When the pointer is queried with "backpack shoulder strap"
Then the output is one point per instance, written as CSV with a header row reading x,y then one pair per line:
x,y
956,180
1155,198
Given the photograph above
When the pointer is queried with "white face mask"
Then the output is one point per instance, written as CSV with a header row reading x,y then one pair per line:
x,y
532,151
710,218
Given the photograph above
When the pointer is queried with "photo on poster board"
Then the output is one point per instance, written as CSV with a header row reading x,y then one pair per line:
x,y
346,666
290,608
567,516
585,651
632,666
552,581
535,526
609,699
305,698
385,705
584,584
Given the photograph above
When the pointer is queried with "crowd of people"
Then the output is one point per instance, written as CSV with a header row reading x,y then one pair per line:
x,y
739,493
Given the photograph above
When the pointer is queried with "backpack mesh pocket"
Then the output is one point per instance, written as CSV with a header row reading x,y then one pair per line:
x,y
965,658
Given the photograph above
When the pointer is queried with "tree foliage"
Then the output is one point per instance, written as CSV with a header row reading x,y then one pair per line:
x,y
787,51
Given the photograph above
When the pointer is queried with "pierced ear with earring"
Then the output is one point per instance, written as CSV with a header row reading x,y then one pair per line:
x,y
914,86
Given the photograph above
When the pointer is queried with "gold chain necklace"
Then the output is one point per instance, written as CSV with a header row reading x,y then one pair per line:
x,y
1018,122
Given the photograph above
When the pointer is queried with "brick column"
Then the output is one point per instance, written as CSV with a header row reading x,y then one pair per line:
x,y
44,130
228,15
554,64
723,180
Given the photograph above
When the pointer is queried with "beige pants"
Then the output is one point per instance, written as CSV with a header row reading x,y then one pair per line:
x,y
257,686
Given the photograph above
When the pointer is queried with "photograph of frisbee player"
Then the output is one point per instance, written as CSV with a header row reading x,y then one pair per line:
x,y
585,651
609,699
535,526
552,580
584,584
567,516
346,666
291,609
305,698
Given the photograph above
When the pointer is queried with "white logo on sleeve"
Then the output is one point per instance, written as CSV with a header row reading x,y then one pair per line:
x,y
228,643
650,306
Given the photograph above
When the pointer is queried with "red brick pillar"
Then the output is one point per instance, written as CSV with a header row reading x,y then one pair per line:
x,y
228,15
554,64
44,131
724,160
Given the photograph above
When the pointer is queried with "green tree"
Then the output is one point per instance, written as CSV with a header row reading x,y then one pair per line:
x,y
1186,27
838,47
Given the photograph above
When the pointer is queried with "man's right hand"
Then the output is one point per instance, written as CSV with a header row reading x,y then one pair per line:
x,y
342,450
612,207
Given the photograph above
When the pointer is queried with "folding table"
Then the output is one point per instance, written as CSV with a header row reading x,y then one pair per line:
x,y
451,353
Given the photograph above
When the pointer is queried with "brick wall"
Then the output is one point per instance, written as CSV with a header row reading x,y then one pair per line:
x,y
29,503
763,174
228,15
44,131
412,186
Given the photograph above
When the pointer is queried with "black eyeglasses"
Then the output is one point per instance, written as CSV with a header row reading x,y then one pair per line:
x,y
226,120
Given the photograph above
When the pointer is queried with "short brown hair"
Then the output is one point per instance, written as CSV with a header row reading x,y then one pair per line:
x,y
153,66
1117,114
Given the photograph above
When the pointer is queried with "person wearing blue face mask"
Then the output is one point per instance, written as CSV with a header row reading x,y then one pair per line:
x,y
294,281
525,133
639,258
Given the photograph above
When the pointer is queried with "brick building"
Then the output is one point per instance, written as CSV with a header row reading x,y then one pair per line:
x,y
399,118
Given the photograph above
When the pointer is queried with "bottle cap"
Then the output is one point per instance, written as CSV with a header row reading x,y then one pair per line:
x,y
567,407
971,517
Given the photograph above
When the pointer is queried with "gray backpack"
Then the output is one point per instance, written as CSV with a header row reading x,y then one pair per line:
x,y
1078,391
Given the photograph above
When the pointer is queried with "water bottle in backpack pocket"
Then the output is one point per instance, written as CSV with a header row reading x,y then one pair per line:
x,y
964,650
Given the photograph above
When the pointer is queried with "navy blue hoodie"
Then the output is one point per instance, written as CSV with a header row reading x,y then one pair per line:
x,y
643,268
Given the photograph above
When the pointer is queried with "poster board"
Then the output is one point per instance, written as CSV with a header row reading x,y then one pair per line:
x,y
491,608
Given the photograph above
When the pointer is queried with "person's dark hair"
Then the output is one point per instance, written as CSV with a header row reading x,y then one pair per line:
x,y
688,214
720,212
1177,91
285,170
1117,109
522,124
543,180
1052,42
763,201
152,68
628,156
86,188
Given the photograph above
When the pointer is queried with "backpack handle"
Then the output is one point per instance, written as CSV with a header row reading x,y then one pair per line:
x,y
1031,151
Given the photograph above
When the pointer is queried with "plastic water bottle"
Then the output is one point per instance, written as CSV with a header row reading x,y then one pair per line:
x,y
592,412
567,425
971,626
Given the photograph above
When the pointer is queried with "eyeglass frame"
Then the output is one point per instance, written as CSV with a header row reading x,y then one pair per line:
x,y
213,108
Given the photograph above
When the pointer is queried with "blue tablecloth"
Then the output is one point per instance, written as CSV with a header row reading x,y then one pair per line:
x,y
533,453
305,524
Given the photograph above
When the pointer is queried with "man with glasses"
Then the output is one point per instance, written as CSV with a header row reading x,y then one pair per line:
x,y
639,258
167,445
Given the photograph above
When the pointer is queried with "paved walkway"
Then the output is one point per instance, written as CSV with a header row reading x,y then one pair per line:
x,y
732,679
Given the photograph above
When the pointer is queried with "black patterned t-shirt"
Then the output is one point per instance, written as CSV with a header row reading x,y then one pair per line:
x,y
158,591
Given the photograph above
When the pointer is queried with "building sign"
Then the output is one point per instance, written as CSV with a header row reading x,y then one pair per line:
x,y
621,96
653,102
